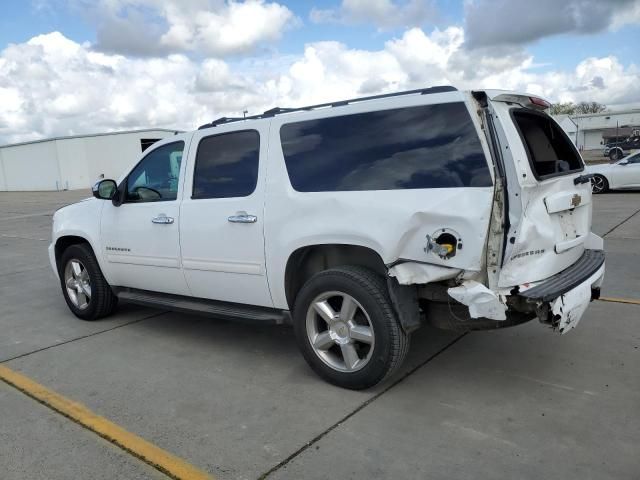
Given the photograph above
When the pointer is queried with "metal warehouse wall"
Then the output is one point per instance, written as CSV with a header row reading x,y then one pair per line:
x,y
70,163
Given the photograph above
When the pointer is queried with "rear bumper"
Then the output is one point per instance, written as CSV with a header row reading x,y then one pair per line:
x,y
562,299
591,262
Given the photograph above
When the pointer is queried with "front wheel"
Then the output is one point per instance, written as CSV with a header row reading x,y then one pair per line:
x,y
85,289
615,154
346,327
599,184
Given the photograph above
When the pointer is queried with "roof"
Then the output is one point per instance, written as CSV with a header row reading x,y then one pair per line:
x,y
279,110
607,113
625,131
69,137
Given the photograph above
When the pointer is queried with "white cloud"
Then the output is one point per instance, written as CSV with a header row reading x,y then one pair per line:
x,y
210,27
382,13
52,86
513,22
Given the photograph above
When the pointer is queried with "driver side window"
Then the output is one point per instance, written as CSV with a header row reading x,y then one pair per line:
x,y
155,178
634,158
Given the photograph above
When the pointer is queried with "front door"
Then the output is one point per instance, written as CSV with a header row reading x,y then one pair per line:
x,y
140,237
221,217
628,174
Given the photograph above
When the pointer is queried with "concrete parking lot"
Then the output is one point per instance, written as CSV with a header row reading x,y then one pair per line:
x,y
238,402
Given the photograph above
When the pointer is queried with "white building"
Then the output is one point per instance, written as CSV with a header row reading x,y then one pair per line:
x,y
586,130
69,163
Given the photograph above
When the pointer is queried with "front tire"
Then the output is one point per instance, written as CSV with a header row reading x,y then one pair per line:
x,y
346,327
85,289
615,154
599,184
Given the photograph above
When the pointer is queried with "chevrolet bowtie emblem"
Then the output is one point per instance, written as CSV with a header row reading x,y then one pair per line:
x,y
576,200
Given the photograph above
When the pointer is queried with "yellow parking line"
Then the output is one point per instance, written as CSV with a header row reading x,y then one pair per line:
x,y
620,300
135,445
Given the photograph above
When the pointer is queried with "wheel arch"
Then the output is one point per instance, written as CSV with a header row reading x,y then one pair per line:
x,y
65,241
308,260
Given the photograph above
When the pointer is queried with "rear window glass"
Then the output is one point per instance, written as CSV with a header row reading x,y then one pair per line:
x,y
431,146
549,149
227,165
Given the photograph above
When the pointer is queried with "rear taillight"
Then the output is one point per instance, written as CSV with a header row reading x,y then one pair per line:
x,y
539,103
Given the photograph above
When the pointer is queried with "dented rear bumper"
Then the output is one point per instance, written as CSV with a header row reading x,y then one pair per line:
x,y
562,299
591,262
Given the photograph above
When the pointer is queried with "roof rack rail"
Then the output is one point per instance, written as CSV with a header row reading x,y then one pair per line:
x,y
279,110
275,111
220,121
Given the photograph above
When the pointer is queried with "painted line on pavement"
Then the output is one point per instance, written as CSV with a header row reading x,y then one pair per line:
x,y
154,456
619,300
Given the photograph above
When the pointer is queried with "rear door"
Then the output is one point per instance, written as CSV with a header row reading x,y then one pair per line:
x,y
221,219
549,213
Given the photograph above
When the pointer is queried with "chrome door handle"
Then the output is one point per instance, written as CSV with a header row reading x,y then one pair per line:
x,y
242,217
162,219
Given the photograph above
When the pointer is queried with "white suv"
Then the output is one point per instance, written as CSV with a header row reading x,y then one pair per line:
x,y
357,221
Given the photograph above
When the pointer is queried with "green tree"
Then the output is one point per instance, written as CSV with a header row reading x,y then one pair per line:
x,y
570,108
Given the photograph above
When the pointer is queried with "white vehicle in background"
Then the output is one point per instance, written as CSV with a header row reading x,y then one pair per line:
x,y
356,221
621,175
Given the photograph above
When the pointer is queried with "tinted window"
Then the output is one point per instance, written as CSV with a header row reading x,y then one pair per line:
x,y
227,165
634,158
433,146
155,178
549,149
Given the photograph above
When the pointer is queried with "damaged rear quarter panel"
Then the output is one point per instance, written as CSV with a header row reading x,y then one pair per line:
x,y
394,223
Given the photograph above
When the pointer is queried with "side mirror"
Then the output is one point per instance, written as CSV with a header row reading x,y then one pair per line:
x,y
623,162
104,189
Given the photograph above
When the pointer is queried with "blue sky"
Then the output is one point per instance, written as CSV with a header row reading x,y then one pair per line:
x,y
109,58
22,20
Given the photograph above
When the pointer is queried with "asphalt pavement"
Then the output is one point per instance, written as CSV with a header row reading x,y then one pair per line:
x,y
238,402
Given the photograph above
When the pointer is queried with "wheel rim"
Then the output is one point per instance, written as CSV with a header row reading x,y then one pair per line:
x,y
597,184
340,331
77,283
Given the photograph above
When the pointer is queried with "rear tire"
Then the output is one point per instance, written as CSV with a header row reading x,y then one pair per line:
x,y
85,289
599,184
347,329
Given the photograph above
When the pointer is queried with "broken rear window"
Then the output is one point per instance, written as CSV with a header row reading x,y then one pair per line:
x,y
550,151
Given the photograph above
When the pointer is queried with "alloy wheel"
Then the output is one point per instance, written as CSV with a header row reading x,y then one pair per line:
x,y
340,331
597,184
77,283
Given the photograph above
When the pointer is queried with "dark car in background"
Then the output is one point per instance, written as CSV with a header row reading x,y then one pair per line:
x,y
616,150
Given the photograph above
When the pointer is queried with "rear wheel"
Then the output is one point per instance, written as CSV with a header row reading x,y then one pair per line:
x,y
599,184
85,289
346,327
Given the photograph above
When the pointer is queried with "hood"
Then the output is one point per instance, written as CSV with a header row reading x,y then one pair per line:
x,y
599,168
69,206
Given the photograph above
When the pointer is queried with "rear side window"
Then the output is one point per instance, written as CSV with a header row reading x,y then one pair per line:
x,y
550,151
430,146
227,165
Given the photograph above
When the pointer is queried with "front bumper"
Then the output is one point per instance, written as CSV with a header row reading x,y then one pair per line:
x,y
563,298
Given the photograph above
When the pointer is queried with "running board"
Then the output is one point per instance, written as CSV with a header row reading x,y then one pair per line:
x,y
213,308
